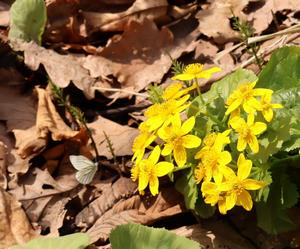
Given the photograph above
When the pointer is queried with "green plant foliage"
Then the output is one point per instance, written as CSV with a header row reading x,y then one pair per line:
x,y
272,215
72,241
27,20
186,185
283,69
135,236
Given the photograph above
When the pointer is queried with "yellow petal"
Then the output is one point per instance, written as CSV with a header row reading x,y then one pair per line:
x,y
251,184
206,74
183,77
167,149
237,122
176,122
277,106
180,155
173,91
222,206
254,145
211,199
163,168
209,188
154,156
236,103
231,200
245,200
153,185
262,91
143,181
188,125
164,133
191,141
225,186
199,174
244,167
241,144
258,128
268,114
225,158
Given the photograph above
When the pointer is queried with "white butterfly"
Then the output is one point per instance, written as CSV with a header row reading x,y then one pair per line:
x,y
86,168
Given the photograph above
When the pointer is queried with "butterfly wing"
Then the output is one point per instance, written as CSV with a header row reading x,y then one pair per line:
x,y
86,168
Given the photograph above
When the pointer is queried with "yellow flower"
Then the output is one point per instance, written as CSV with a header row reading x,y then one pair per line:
x,y
247,132
148,170
195,71
140,143
244,96
217,140
162,114
267,107
236,186
212,195
213,162
177,140
175,91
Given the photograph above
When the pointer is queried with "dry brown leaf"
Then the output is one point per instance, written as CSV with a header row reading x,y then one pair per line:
x,y
111,22
122,188
49,121
144,210
215,235
4,14
205,52
14,226
140,55
121,137
62,69
39,183
16,109
262,17
3,165
214,22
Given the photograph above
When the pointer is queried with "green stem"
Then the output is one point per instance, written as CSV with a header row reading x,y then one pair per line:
x,y
181,168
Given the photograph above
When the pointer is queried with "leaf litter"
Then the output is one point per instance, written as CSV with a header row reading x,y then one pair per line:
x,y
39,192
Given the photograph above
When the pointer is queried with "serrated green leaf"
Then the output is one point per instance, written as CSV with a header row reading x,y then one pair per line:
x,y
187,186
135,236
72,241
27,20
271,215
282,71
204,210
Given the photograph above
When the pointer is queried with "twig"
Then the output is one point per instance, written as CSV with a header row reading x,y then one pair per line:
x,y
106,89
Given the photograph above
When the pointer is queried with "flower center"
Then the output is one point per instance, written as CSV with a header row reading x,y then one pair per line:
x,y
193,68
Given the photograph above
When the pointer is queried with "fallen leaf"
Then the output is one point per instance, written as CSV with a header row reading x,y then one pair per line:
x,y
141,50
143,210
262,17
62,69
14,226
121,137
4,14
112,22
214,234
39,183
214,21
122,188
205,52
17,110
3,165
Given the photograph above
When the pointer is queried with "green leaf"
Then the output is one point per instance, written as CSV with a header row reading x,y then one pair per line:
x,y
204,210
187,186
27,20
228,84
283,69
271,215
72,241
135,236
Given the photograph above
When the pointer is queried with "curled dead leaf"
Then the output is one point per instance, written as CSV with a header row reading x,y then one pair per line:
x,y
14,226
144,210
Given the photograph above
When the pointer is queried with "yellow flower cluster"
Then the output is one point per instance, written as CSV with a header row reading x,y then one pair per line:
x,y
221,185
164,122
